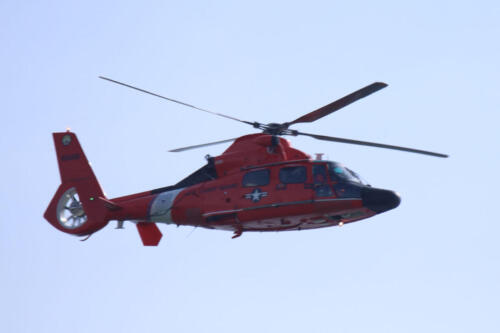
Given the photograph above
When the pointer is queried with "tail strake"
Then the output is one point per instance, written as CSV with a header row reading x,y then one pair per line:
x,y
76,208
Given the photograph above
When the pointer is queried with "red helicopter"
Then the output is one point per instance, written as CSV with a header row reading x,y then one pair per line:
x,y
260,183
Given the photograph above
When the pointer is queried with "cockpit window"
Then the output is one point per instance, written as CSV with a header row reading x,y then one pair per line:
x,y
339,173
256,178
358,177
293,175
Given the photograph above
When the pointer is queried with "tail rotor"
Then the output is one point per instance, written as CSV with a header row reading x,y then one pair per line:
x,y
70,212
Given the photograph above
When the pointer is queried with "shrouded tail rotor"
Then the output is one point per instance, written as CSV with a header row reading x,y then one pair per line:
x,y
70,212
77,207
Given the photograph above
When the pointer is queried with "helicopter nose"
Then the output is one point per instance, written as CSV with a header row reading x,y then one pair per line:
x,y
379,200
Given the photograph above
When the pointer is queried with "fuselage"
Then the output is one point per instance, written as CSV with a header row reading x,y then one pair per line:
x,y
260,183
285,196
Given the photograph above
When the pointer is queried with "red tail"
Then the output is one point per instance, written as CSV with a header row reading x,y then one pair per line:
x,y
76,208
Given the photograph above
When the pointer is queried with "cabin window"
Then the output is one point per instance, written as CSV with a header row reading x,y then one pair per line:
x,y
321,186
256,178
293,175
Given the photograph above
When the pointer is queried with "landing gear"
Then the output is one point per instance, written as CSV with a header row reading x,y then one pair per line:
x,y
238,231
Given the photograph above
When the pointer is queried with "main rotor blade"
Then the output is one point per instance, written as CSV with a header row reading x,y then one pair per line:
x,y
340,103
176,101
372,144
199,146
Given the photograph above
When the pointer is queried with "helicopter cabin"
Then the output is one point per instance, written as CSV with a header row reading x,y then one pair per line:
x,y
265,186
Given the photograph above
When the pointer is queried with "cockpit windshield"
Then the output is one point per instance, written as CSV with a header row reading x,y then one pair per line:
x,y
340,173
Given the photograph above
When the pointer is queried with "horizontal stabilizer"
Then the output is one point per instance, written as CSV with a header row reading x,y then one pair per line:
x,y
149,232
109,204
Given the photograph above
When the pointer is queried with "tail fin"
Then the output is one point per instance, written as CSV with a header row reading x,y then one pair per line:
x,y
77,207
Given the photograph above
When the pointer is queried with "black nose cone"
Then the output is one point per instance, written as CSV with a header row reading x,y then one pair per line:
x,y
379,200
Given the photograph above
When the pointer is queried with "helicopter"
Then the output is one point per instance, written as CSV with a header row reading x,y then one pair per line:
x,y
259,183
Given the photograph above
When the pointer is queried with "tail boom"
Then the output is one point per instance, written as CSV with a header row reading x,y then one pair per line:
x,y
80,207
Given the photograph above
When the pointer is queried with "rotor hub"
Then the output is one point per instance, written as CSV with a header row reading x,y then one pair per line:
x,y
275,128
76,209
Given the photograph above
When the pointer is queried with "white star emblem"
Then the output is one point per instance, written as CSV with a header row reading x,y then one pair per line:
x,y
256,195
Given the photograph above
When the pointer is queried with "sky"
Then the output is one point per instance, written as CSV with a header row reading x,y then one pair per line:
x,y
430,265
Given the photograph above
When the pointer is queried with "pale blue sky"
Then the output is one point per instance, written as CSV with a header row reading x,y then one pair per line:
x,y
431,265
